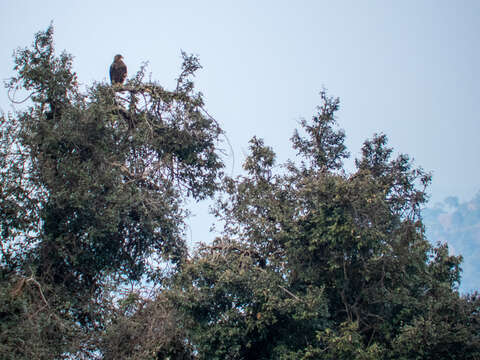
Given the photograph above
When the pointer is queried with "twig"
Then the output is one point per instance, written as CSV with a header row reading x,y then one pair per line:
x,y
226,138
291,294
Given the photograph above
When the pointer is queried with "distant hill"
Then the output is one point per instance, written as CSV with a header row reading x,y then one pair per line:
x,y
458,224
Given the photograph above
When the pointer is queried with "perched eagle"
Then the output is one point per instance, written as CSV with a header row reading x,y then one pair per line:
x,y
118,70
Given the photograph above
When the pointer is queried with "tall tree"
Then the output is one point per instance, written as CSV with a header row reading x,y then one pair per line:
x,y
94,184
317,263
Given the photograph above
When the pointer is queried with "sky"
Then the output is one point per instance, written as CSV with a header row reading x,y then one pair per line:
x,y
409,69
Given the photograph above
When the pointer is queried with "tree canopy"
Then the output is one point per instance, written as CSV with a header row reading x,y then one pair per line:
x,y
313,262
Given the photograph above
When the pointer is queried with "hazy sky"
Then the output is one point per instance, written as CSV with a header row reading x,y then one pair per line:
x,y
409,69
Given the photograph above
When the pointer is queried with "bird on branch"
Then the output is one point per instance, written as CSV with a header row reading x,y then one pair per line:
x,y
118,70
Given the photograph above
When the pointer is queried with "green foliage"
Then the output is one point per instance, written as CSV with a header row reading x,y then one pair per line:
x,y
313,262
353,242
238,307
94,185
144,329
323,145
347,344
35,322
112,167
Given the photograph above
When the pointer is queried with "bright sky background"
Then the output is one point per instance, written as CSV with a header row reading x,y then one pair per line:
x,y
408,68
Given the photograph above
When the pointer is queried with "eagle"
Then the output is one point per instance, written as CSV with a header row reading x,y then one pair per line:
x,y
118,70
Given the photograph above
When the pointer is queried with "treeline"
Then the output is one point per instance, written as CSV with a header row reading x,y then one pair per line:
x,y
314,262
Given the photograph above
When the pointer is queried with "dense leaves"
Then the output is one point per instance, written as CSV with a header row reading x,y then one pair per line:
x,y
348,250
94,185
112,167
314,262
239,308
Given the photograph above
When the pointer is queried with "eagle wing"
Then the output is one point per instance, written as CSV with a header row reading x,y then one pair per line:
x,y
112,73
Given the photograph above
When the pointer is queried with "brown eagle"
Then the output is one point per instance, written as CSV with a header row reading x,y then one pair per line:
x,y
118,70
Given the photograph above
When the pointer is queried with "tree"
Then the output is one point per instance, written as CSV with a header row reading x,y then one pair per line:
x,y
318,263
93,185
313,263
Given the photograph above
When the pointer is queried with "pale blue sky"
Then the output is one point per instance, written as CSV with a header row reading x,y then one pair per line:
x,y
408,68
